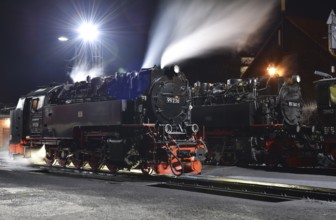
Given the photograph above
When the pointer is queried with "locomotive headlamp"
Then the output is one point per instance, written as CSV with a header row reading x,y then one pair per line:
x,y
194,128
296,78
255,81
168,128
176,69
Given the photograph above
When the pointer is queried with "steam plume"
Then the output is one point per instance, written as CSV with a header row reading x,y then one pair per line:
x,y
186,29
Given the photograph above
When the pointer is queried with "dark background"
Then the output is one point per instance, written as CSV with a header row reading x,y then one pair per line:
x,y
31,55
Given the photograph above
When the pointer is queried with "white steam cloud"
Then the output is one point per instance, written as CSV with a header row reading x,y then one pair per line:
x,y
82,71
88,61
187,29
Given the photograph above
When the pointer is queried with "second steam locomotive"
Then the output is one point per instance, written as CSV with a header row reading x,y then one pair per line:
x,y
126,120
255,120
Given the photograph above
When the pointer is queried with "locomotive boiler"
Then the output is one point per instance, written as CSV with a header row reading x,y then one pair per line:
x,y
256,120
125,120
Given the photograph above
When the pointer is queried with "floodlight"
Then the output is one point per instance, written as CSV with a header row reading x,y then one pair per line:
x,y
88,32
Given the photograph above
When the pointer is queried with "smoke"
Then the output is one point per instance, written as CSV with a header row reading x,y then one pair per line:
x,y
88,61
309,114
187,29
81,71
20,162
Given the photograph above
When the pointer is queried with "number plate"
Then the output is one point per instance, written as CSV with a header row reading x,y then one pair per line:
x,y
173,100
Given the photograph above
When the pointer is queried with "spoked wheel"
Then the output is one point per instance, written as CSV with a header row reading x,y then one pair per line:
x,y
112,168
169,167
146,169
331,159
176,168
273,156
95,162
176,164
78,161
63,159
49,158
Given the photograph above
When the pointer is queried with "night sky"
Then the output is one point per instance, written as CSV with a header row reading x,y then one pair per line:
x,y
31,55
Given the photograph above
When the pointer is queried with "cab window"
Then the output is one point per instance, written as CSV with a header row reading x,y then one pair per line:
x,y
35,104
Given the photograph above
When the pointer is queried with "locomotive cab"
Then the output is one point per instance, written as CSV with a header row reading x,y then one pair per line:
x,y
325,90
27,119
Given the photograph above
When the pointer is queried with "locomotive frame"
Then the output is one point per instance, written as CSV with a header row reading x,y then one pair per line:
x,y
126,120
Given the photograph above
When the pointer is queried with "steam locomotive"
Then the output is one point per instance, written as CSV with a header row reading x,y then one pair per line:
x,y
256,120
125,120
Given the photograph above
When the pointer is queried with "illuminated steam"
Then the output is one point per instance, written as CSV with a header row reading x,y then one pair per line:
x,y
80,72
87,24
186,29
88,61
20,162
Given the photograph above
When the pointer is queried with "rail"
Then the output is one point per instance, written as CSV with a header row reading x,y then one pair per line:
x,y
256,190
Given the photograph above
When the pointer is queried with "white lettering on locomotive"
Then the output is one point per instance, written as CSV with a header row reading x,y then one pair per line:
x,y
173,100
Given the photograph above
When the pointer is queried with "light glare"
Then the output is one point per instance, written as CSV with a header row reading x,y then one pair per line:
x,y
7,123
88,32
271,70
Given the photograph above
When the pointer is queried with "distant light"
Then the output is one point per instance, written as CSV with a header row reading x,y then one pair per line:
x,y
272,70
88,32
7,123
63,38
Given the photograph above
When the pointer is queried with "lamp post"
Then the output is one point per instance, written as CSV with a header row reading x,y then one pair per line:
x,y
90,53
88,59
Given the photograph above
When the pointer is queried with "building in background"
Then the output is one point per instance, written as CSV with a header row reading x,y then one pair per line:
x,y
296,45
4,131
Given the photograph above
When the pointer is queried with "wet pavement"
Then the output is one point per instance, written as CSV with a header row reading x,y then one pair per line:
x,y
27,193
317,180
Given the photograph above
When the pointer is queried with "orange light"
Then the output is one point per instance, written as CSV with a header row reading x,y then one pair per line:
x,y
275,71
272,70
6,123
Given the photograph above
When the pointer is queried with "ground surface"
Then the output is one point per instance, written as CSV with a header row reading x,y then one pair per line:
x,y
27,194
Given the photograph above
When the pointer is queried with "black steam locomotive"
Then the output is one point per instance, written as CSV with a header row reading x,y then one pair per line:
x,y
255,120
126,120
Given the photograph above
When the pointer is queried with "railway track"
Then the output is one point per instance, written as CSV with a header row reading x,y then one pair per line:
x,y
265,191
256,190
